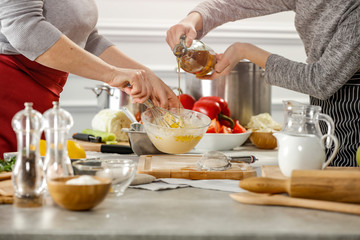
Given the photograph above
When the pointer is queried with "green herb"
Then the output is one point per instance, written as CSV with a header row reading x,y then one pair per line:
x,y
7,166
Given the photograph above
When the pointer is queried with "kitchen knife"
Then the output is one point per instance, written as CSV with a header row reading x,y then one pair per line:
x,y
332,185
115,148
86,137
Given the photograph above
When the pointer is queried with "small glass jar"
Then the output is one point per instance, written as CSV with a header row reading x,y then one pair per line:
x,y
28,176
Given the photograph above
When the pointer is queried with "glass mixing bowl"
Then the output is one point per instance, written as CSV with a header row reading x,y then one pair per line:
x,y
120,171
176,140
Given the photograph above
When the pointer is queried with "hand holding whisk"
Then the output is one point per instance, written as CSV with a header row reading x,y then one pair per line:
x,y
164,117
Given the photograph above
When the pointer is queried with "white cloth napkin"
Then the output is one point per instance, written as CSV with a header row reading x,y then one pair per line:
x,y
172,183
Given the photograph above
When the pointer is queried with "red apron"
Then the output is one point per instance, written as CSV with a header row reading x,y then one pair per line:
x,y
23,80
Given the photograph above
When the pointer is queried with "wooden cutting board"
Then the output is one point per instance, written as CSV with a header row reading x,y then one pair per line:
x,y
95,147
184,166
6,188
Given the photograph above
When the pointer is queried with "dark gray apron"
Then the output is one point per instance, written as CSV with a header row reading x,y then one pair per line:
x,y
344,108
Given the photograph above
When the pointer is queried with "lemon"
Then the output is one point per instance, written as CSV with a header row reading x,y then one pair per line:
x,y
75,150
42,147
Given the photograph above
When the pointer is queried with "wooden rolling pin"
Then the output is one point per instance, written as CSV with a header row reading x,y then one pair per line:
x,y
331,185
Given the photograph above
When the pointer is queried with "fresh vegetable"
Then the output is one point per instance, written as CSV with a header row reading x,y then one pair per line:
x,y
138,116
214,126
217,109
223,104
238,128
7,166
105,136
210,108
225,129
111,121
187,101
263,123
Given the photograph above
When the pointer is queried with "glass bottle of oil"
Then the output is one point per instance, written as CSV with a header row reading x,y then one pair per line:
x,y
198,59
28,176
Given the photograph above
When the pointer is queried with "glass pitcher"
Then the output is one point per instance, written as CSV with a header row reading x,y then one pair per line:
x,y
28,176
302,118
198,59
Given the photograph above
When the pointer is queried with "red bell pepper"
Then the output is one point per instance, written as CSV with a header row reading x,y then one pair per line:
x,y
223,104
224,115
209,108
187,101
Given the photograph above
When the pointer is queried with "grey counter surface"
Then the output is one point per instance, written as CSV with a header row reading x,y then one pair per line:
x,y
187,213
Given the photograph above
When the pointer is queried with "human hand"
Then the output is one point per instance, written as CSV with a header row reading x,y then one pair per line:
x,y
132,81
238,51
187,27
226,61
162,95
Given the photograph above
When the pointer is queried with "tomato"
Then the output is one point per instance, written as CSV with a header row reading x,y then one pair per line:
x,y
138,116
187,101
238,128
225,129
214,126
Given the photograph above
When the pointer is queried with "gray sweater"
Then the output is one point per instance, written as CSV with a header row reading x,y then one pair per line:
x,y
31,27
329,29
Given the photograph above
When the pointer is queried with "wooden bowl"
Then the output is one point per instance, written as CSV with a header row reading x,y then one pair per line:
x,y
78,197
263,140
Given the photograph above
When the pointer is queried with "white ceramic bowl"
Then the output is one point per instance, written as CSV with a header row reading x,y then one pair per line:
x,y
221,141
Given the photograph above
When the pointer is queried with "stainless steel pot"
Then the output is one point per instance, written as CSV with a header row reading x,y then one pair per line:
x,y
244,89
113,98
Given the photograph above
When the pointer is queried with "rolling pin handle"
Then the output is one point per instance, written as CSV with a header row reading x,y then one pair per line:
x,y
265,185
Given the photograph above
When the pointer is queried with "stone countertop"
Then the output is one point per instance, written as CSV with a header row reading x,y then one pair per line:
x,y
186,213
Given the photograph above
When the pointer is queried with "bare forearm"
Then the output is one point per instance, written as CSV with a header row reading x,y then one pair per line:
x,y
66,56
115,57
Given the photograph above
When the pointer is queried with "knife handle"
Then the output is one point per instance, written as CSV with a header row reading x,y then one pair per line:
x,y
86,137
115,148
265,185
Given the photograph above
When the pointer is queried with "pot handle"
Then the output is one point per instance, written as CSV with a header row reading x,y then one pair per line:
x,y
98,90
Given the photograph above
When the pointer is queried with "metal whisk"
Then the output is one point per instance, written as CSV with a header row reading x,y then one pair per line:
x,y
164,117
